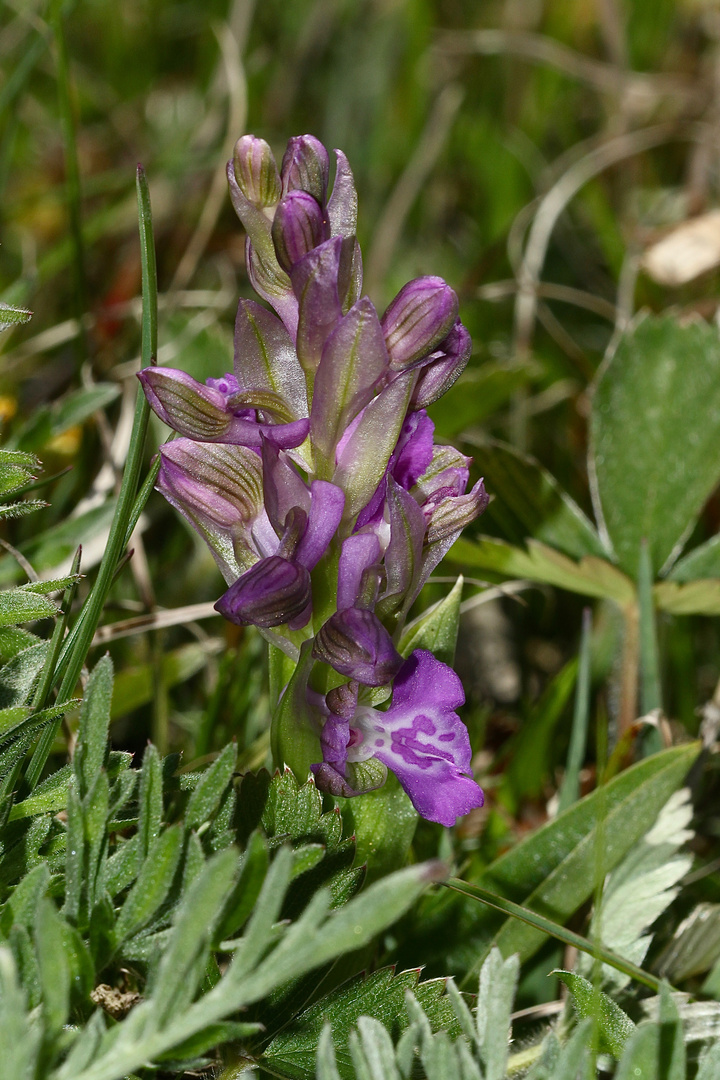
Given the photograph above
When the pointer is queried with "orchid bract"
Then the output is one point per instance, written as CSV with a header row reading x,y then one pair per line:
x,y
312,474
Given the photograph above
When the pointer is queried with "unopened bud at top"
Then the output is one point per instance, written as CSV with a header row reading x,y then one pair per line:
x,y
305,167
256,172
299,226
418,319
445,366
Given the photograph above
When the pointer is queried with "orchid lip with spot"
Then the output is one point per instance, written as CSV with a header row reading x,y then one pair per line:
x,y
312,474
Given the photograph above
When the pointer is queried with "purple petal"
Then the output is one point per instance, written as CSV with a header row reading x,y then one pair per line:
x,y
187,406
305,167
359,552
448,472
256,224
422,739
342,205
274,591
220,483
354,359
446,365
256,172
404,552
418,319
414,451
326,508
299,226
270,281
265,356
284,488
315,284
363,459
452,513
356,644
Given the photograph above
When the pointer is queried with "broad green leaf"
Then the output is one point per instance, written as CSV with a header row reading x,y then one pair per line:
x,y
294,811
553,870
54,967
380,995
13,639
18,606
614,1026
384,823
538,562
694,598
92,745
437,628
213,783
135,686
152,885
293,739
529,502
701,562
655,436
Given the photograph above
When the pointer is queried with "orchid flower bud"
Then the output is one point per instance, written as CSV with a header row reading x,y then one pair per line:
x,y
418,319
443,367
453,512
256,172
299,226
305,167
274,591
355,643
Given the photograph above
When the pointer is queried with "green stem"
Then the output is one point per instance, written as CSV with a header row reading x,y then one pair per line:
x,y
547,926
650,685
570,790
73,657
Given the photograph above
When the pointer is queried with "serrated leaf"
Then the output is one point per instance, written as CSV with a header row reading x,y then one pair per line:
x,y
538,562
152,885
695,598
18,606
380,995
654,468
213,783
530,502
641,887
293,810
613,1025
437,628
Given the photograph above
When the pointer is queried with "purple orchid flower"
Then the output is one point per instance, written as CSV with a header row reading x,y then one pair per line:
x,y
419,737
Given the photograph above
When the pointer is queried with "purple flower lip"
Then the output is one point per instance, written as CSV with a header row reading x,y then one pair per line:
x,y
256,172
418,319
356,644
299,226
272,592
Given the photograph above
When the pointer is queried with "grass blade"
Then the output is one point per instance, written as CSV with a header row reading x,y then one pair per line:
x,y
570,790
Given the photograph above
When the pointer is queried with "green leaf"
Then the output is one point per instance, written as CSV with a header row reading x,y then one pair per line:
x,y
529,502
48,797
614,1026
695,947
12,316
210,1038
695,598
58,544
21,720
701,562
384,823
292,734
152,885
653,464
19,674
655,1049
77,406
566,1063
437,628
150,810
710,1063
241,901
589,577
380,995
496,994
92,741
294,811
553,870
20,1040
479,393
212,785
53,965
18,606
17,469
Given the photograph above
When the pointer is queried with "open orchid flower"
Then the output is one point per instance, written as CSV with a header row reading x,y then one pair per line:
x,y
312,473
420,737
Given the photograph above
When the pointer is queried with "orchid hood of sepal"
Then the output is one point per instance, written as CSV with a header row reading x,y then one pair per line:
x,y
419,737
